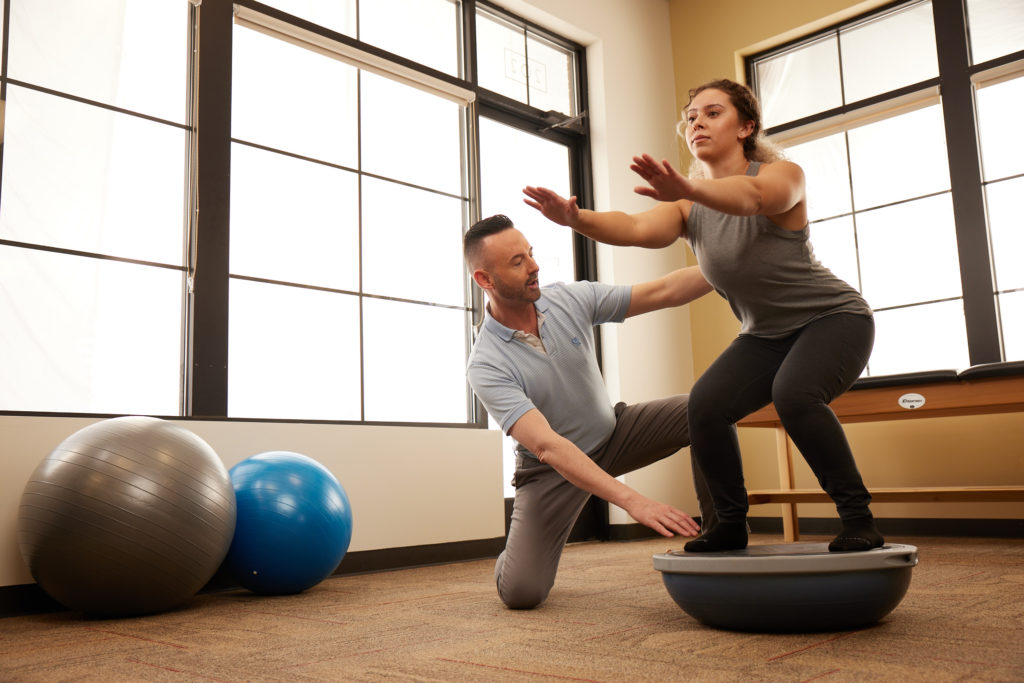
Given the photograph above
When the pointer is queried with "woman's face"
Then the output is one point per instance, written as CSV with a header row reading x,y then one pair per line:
x,y
713,125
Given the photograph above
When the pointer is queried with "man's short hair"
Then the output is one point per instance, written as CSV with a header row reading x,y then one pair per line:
x,y
479,231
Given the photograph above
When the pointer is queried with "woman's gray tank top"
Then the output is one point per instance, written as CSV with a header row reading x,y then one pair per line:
x,y
769,275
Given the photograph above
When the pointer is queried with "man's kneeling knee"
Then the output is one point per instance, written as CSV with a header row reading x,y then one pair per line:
x,y
520,594
523,596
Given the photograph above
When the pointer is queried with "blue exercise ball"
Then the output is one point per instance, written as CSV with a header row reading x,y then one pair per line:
x,y
127,516
294,523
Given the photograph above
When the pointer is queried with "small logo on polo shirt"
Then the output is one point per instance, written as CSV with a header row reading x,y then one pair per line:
x,y
576,341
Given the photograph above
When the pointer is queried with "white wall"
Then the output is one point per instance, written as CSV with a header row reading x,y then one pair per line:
x,y
408,486
416,486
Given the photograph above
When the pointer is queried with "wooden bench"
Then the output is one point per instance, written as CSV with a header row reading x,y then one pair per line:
x,y
979,390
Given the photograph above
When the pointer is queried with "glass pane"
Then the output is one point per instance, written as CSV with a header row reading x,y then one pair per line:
x,y
501,57
416,254
800,83
890,52
131,54
120,179
1011,311
919,138
998,112
292,353
337,15
1006,227
425,31
919,338
415,360
88,335
293,220
551,77
826,174
995,27
908,253
411,135
509,161
836,247
314,116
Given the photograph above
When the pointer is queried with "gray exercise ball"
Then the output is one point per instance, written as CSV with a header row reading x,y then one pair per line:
x,y
128,516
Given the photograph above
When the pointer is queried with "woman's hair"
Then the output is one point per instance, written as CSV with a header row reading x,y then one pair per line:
x,y
755,146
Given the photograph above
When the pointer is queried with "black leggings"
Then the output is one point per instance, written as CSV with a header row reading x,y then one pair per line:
x,y
801,374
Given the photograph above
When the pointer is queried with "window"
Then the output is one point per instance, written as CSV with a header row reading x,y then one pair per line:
x,y
1003,177
301,259
345,241
880,113
92,215
518,63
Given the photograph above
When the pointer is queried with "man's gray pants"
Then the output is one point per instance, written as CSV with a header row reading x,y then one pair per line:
x,y
547,505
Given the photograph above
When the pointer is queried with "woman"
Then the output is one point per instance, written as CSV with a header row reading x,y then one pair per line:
x,y
805,334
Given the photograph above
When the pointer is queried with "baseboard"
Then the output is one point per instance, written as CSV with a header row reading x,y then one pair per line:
x,y
16,601
632,532
420,555
31,599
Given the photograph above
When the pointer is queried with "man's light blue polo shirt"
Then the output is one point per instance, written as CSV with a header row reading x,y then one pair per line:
x,y
565,385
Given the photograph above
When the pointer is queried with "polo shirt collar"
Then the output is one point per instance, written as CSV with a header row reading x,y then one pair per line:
x,y
506,333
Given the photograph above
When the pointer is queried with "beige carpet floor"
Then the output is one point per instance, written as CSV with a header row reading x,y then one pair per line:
x,y
609,618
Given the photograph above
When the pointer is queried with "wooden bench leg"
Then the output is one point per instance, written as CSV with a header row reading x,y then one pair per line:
x,y
790,522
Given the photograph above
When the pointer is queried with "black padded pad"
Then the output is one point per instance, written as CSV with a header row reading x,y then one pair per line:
x,y
905,378
1014,367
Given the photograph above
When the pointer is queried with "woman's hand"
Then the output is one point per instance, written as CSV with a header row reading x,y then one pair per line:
x,y
554,207
666,183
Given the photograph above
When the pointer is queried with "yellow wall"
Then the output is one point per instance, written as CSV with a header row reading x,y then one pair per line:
x,y
709,40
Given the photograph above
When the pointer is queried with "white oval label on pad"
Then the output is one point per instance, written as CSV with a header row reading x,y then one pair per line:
x,y
911,401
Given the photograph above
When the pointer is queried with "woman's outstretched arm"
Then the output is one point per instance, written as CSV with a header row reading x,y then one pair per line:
x,y
659,227
777,188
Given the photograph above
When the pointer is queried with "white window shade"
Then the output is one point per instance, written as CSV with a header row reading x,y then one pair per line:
x,y
351,55
861,116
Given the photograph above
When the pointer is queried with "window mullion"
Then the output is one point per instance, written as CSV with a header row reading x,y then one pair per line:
x,y
209,324
965,177
468,55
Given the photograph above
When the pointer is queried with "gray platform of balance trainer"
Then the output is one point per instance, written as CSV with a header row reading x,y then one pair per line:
x,y
785,558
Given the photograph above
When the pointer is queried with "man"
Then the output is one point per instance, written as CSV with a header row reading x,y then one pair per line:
x,y
534,368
